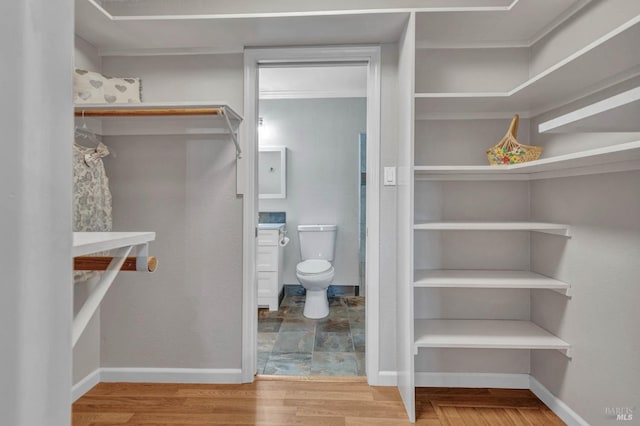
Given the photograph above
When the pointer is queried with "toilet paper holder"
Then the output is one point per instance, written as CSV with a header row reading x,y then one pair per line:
x,y
283,240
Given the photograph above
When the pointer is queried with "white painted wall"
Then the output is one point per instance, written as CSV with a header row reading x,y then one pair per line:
x,y
461,142
35,188
321,136
404,344
187,314
388,226
471,70
86,353
592,22
311,82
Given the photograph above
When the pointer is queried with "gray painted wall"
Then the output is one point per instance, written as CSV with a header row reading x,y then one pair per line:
x,y
600,262
601,320
388,227
187,314
86,353
321,136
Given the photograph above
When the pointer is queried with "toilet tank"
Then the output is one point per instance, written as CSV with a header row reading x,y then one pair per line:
x,y
317,241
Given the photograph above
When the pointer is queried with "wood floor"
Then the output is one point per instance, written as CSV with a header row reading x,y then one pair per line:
x,y
309,402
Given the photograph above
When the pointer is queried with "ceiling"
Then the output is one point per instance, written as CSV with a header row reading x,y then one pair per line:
x,y
272,7
138,27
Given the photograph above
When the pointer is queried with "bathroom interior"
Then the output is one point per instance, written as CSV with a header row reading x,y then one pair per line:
x,y
312,220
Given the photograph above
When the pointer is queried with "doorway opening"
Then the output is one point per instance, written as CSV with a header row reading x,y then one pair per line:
x,y
328,337
311,118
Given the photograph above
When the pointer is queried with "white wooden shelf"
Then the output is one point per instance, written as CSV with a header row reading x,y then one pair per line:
x,y
614,158
160,118
181,122
551,228
583,70
619,113
485,334
93,242
451,278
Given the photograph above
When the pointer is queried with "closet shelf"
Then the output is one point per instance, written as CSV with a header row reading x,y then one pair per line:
x,y
586,69
485,334
160,118
93,242
614,158
617,113
550,228
451,278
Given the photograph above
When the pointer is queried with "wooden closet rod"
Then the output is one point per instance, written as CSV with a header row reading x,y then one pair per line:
x,y
100,263
147,112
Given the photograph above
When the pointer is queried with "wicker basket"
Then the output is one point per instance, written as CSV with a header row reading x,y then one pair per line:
x,y
509,151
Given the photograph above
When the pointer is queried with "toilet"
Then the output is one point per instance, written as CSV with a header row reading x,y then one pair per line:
x,y
315,272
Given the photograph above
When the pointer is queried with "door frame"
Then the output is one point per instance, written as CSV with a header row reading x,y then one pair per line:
x,y
247,184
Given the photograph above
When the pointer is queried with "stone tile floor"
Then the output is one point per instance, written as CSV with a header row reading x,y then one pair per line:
x,y
290,344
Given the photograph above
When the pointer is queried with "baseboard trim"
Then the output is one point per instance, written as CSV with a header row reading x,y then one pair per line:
x,y
85,385
385,378
172,375
472,380
562,410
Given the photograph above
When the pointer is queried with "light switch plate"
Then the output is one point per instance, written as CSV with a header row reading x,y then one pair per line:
x,y
389,176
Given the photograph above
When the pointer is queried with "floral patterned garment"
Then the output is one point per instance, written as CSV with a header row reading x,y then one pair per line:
x,y
91,194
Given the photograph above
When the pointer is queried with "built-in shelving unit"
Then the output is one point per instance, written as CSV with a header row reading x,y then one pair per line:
x,y
617,113
552,228
452,278
160,118
485,334
463,90
625,156
565,80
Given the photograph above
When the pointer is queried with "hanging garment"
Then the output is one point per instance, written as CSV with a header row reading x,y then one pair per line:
x,y
91,194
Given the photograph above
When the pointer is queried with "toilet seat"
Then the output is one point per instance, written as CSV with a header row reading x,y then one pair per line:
x,y
313,267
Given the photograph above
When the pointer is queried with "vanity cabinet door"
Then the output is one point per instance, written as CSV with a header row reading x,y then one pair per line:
x,y
267,259
268,285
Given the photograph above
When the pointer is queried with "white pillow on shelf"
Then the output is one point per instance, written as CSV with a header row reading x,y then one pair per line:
x,y
90,87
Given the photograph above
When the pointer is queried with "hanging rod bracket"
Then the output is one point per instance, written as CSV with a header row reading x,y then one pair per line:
x,y
90,306
232,132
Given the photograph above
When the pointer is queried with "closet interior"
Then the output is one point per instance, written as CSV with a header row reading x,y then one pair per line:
x,y
492,258
139,119
514,276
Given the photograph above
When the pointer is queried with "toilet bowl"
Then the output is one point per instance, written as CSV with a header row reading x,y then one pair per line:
x,y
315,272
315,275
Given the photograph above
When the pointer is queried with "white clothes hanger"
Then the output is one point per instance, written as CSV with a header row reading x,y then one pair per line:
x,y
83,132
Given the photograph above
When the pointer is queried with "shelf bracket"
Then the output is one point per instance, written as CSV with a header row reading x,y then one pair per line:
x,y
90,306
232,132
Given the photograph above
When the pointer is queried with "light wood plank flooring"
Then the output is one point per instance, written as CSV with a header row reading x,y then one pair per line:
x,y
303,401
